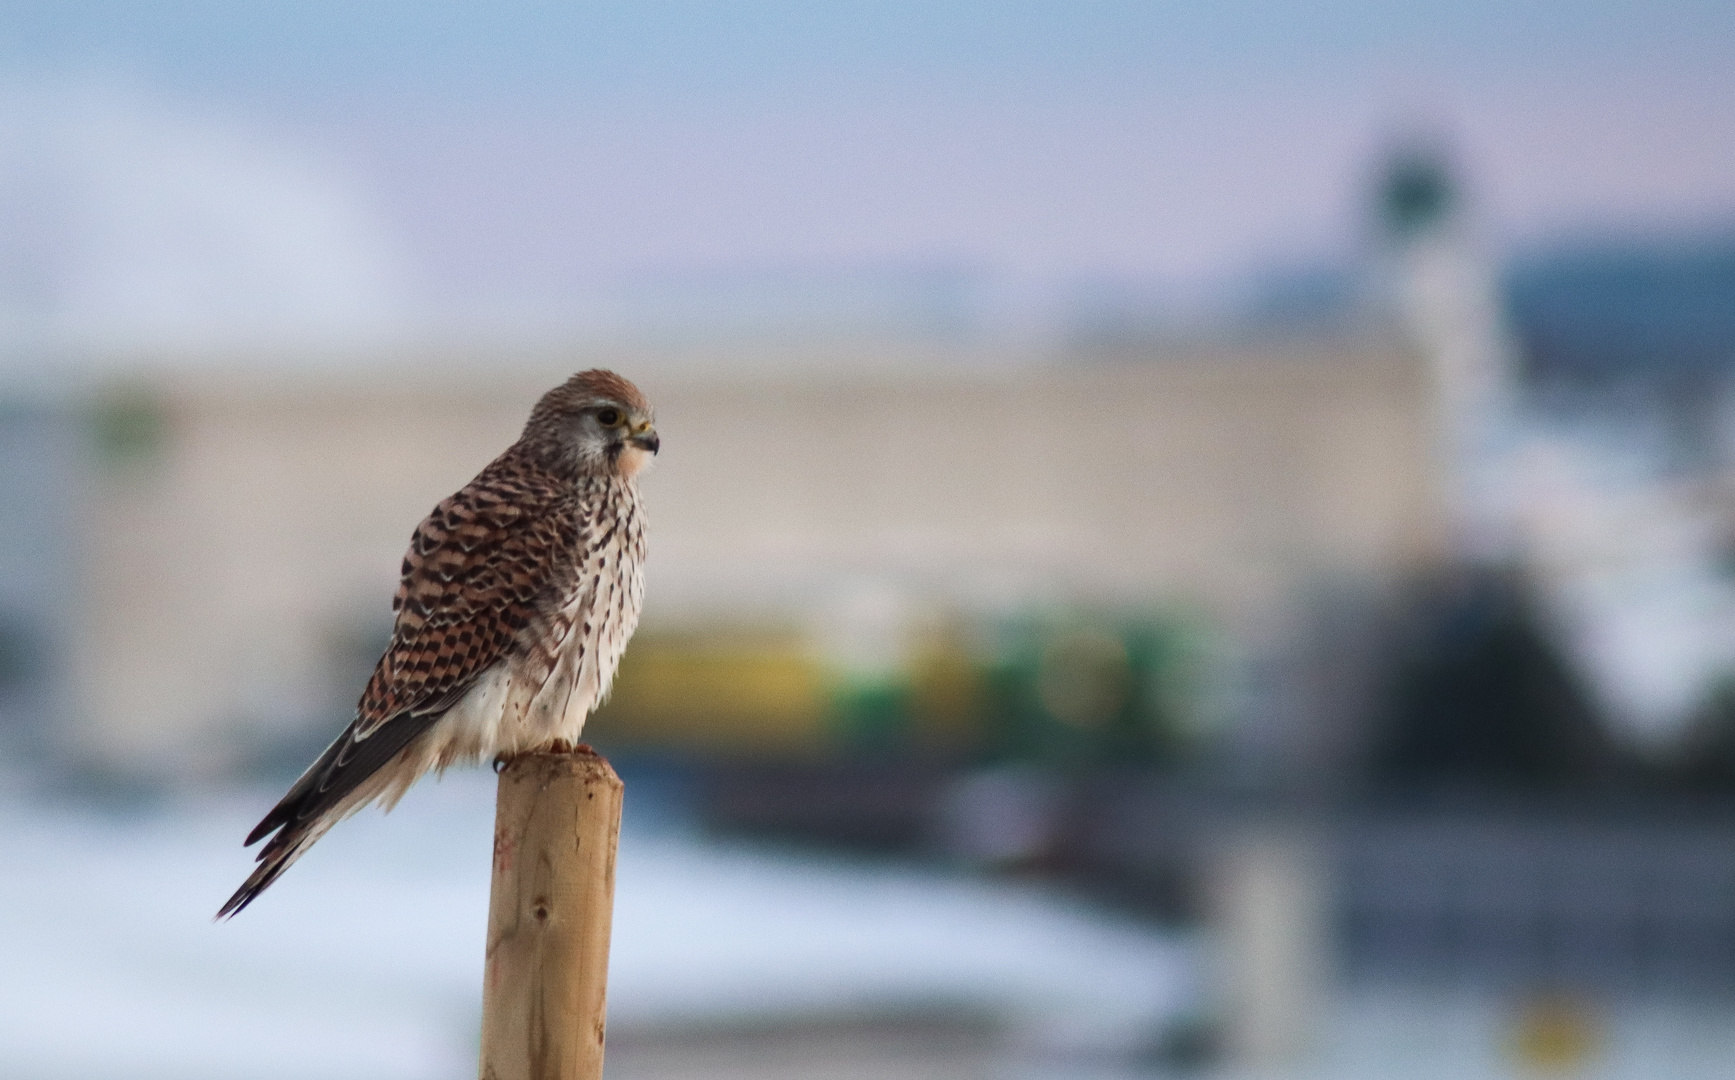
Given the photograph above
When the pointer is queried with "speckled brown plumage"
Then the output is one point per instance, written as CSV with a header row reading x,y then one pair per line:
x,y
516,599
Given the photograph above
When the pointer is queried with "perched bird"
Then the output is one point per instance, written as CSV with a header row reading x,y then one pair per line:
x,y
517,597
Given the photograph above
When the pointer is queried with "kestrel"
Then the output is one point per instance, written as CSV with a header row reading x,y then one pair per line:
x,y
517,597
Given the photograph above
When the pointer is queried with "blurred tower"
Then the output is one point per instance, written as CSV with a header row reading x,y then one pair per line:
x,y
1446,295
1628,562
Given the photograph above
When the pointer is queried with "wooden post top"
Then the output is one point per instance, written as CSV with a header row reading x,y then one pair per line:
x,y
544,997
560,760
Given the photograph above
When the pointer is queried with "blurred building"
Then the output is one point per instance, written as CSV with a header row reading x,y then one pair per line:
x,y
40,569
241,535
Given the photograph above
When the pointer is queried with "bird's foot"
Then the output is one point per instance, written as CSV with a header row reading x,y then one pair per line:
x,y
562,746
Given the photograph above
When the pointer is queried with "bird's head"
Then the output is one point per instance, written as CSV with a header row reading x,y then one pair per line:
x,y
594,424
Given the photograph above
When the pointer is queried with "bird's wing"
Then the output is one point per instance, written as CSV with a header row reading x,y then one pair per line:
x,y
473,577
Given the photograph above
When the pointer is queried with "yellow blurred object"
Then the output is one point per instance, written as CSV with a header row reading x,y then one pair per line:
x,y
736,691
1555,1035
721,692
947,692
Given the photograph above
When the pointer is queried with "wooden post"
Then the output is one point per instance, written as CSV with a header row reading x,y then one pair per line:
x,y
1270,910
545,994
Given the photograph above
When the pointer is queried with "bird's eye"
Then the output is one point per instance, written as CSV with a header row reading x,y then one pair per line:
x,y
608,417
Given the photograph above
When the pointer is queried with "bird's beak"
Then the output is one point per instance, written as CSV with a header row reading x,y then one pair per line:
x,y
646,439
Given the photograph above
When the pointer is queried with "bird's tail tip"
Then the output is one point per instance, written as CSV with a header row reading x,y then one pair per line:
x,y
249,890
275,858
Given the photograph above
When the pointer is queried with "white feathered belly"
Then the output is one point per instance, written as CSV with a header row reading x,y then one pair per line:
x,y
513,707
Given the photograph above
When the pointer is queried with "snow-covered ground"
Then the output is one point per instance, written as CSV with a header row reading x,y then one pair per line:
x,y
729,960
365,960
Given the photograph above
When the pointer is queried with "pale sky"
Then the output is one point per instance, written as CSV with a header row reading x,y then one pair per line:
x,y
515,157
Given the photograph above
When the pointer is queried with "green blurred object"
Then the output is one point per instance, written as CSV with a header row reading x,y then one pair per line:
x,y
872,716
1076,688
1097,689
129,427
1417,192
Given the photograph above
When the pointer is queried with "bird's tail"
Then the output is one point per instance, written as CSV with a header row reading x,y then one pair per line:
x,y
350,774
275,857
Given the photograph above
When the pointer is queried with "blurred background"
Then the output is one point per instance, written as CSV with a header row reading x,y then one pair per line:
x,y
1191,539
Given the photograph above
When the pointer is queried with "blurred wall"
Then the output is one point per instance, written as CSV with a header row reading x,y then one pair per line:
x,y
242,547
1208,472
